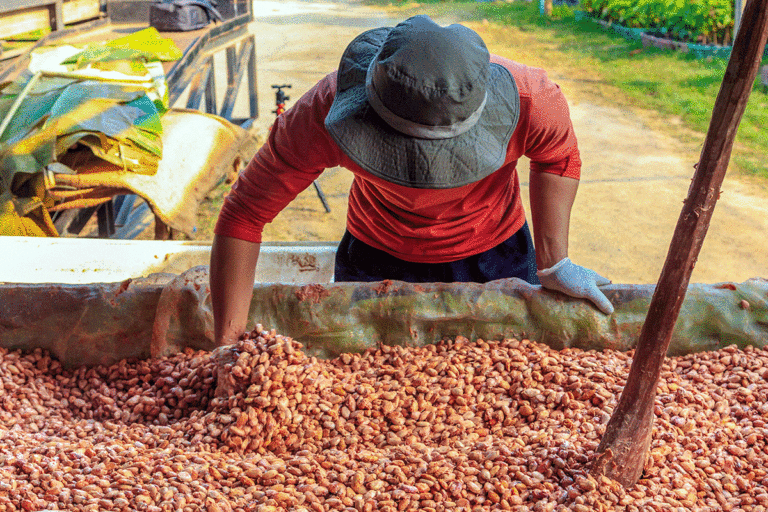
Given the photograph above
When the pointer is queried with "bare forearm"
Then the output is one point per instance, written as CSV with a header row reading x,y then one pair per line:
x,y
232,271
552,198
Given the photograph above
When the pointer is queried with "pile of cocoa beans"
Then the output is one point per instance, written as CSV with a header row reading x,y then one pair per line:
x,y
459,425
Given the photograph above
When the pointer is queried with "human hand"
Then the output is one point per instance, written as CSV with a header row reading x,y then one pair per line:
x,y
576,281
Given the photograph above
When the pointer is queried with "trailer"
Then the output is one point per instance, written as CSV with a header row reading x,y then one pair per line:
x,y
120,205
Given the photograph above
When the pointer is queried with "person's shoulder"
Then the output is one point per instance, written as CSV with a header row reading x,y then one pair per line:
x,y
324,90
328,82
528,78
319,97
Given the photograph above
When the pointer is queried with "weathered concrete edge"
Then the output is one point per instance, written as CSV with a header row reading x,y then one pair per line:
x,y
88,324
102,323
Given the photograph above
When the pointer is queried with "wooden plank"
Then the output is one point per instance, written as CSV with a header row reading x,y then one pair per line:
x,y
56,16
19,5
24,21
80,10
42,13
624,447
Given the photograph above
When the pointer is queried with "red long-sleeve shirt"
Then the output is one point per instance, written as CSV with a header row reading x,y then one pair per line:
x,y
417,225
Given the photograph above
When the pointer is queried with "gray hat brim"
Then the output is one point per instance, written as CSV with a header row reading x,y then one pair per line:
x,y
415,162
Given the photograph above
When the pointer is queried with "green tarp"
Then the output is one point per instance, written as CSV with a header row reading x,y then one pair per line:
x,y
164,314
106,99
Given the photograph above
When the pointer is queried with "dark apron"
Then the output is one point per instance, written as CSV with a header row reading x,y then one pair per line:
x,y
515,257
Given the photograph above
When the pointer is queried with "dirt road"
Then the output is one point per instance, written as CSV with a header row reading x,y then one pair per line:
x,y
634,178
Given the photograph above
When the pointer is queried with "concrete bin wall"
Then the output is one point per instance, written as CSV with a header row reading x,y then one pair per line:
x,y
163,314
81,260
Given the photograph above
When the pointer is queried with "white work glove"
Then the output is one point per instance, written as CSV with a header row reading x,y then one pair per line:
x,y
576,281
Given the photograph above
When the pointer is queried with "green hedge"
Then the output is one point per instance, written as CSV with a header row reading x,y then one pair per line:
x,y
696,21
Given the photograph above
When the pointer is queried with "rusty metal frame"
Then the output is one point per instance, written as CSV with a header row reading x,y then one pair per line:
x,y
196,60
196,69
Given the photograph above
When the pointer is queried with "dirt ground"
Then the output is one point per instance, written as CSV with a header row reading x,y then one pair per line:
x,y
634,178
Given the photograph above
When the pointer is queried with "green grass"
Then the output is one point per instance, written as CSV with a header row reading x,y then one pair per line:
x,y
665,82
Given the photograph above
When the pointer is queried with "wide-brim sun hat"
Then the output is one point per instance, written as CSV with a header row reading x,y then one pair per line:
x,y
422,106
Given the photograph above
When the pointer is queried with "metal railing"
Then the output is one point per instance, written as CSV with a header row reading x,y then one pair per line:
x,y
196,69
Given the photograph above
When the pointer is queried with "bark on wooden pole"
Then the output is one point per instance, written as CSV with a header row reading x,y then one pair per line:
x,y
624,446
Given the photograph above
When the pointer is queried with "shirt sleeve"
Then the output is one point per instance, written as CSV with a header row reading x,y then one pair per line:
x,y
551,143
298,149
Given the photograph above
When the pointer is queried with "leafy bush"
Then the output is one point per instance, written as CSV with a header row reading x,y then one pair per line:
x,y
702,21
706,21
563,12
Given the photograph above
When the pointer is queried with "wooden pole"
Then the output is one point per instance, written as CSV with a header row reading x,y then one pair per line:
x,y
624,447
